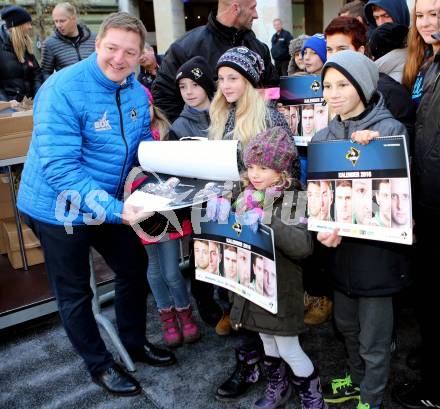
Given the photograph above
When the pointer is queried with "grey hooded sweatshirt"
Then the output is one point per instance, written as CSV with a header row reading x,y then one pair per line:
x,y
191,122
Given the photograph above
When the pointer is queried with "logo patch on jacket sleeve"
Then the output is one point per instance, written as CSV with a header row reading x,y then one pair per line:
x,y
103,124
133,114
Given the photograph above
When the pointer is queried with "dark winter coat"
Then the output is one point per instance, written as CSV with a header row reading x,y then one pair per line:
x,y
209,41
367,267
59,51
280,45
17,80
398,101
427,144
292,242
191,122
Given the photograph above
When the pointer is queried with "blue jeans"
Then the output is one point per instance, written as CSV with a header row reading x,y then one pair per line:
x,y
166,281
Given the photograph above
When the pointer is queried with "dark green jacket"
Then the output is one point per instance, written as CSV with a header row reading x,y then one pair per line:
x,y
292,242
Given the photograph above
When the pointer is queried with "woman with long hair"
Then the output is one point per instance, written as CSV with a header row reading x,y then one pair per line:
x,y
421,46
20,74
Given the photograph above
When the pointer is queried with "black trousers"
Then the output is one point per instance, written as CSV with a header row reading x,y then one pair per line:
x,y
67,265
281,67
426,289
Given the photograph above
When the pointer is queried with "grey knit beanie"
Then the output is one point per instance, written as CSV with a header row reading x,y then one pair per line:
x,y
362,73
297,43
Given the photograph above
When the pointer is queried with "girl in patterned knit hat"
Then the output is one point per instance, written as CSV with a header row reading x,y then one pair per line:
x,y
268,160
238,110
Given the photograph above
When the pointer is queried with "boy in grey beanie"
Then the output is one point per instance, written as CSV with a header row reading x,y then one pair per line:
x,y
362,73
361,267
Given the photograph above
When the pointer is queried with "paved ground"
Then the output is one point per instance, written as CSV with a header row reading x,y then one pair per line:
x,y
39,369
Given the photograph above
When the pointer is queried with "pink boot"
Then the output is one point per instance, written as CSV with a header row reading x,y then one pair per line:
x,y
171,331
189,328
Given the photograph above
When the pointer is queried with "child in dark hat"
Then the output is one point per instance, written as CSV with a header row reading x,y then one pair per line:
x,y
238,110
195,81
359,267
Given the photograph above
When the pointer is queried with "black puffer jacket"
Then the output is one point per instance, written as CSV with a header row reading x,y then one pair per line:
x,y
209,41
427,144
59,51
398,102
17,80
367,267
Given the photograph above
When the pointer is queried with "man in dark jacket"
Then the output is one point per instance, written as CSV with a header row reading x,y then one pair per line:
x,y
230,28
70,43
280,47
426,195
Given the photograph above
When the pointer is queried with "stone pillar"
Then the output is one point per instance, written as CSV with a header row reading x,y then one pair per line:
x,y
129,6
268,10
331,9
169,18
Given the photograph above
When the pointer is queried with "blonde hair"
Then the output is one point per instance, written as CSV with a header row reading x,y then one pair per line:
x,y
160,122
250,116
21,41
417,49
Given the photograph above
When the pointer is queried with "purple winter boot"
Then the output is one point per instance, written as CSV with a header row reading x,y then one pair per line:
x,y
278,389
309,391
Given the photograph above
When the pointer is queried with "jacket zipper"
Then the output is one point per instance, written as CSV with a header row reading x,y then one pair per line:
x,y
121,123
77,52
346,131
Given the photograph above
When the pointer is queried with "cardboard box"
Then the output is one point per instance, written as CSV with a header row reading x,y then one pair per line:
x,y
34,254
6,210
15,134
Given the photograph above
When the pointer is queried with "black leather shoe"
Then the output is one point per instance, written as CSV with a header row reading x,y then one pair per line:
x,y
153,355
116,381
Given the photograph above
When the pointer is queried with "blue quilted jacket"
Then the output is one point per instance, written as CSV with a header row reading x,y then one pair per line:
x,y
87,129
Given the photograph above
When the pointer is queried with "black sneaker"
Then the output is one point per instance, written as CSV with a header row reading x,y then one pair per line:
x,y
341,390
413,396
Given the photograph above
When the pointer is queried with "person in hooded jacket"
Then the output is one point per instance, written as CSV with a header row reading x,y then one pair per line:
x,y
365,273
378,12
20,74
70,43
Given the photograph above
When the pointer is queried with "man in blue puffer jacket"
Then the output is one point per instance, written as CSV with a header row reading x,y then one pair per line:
x,y
88,122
